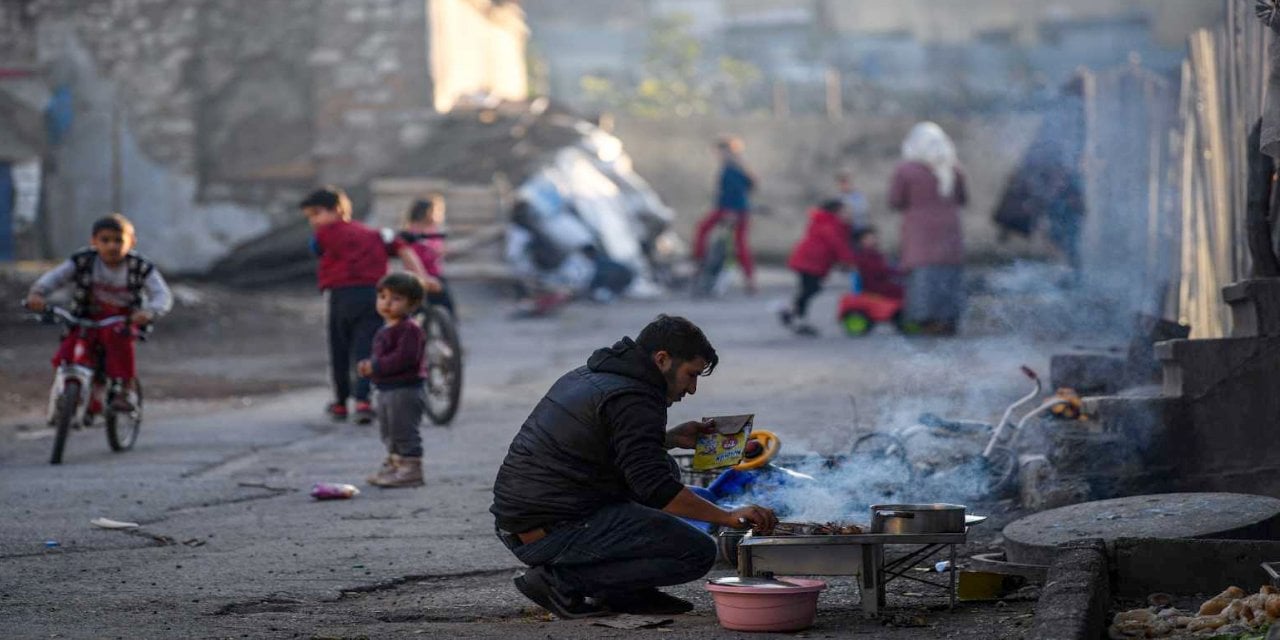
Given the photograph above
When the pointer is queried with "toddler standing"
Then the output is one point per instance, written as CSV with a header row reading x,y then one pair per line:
x,y
398,369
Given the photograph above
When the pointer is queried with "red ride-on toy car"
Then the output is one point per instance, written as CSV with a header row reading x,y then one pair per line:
x,y
859,312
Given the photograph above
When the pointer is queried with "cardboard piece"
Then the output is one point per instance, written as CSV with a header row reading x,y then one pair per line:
x,y
725,446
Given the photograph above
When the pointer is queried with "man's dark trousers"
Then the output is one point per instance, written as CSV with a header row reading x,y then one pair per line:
x,y
620,549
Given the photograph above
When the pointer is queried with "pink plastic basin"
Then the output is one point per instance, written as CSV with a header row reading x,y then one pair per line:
x,y
767,608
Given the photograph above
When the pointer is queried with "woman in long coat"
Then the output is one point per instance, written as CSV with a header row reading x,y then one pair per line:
x,y
928,188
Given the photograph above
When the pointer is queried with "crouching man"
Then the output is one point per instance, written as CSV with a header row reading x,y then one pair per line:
x,y
587,495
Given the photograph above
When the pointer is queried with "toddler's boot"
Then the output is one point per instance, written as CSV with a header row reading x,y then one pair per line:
x,y
407,473
388,467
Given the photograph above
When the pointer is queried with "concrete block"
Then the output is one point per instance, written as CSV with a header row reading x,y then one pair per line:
x,y
1088,372
1145,565
1230,390
1077,595
1255,307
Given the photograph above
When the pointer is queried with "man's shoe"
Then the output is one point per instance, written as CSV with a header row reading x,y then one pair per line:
x,y
648,602
534,585
337,411
364,412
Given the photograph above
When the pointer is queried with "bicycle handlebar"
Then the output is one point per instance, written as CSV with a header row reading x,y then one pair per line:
x,y
54,314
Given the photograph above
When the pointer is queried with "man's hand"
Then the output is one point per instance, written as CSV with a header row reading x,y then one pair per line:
x,y
432,285
685,436
365,368
759,518
35,302
140,318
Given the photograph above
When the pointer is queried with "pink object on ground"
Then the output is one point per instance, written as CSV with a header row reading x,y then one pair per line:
x,y
748,608
333,491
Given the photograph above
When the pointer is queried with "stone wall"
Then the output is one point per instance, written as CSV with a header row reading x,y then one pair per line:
x,y
198,115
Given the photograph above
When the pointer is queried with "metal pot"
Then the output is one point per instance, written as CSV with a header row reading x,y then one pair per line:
x,y
917,518
727,542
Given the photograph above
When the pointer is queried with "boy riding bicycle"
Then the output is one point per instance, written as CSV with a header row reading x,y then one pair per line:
x,y
109,279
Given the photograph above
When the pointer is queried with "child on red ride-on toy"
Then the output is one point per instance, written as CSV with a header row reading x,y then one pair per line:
x,y
876,295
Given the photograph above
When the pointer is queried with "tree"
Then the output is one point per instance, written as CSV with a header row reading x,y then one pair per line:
x,y
672,79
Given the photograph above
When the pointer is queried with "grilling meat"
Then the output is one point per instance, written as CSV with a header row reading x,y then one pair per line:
x,y
815,529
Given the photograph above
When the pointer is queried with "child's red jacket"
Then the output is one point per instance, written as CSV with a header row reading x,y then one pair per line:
x,y
826,242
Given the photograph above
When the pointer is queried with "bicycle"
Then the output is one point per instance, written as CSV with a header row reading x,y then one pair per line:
x,y
442,352
71,401
714,272
998,460
443,355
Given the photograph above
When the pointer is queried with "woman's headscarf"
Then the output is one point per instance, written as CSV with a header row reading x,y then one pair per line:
x,y
929,145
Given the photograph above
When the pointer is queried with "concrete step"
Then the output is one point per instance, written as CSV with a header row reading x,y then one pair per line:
x,y
1255,307
1195,368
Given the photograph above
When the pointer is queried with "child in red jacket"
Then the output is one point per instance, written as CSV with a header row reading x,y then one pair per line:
x,y
826,242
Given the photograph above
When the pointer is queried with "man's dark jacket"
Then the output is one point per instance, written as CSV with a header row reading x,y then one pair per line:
x,y
595,439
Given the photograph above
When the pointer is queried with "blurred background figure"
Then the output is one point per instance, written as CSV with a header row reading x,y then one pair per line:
x,y
928,188
732,202
856,203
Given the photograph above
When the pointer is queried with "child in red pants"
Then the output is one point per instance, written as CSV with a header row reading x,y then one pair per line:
x,y
109,280
732,202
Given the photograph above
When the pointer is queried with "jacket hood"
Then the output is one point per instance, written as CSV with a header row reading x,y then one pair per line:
x,y
626,358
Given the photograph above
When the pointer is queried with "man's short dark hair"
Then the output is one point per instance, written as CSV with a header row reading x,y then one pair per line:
x,y
405,284
832,206
114,222
680,338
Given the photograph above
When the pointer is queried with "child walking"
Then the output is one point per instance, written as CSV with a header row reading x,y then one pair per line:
x,y
826,242
109,279
398,369
352,259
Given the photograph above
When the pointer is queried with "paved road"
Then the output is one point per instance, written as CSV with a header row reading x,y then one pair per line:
x,y
244,552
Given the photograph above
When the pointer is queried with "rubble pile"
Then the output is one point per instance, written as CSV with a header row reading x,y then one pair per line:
x,y
582,220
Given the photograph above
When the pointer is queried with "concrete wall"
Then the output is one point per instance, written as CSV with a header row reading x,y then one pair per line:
x,y
796,160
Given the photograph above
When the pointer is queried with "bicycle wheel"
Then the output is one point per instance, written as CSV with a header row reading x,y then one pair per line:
x,y
443,354
122,429
64,414
878,446
713,265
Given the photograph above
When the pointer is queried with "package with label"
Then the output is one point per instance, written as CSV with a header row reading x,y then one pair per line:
x,y
724,446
